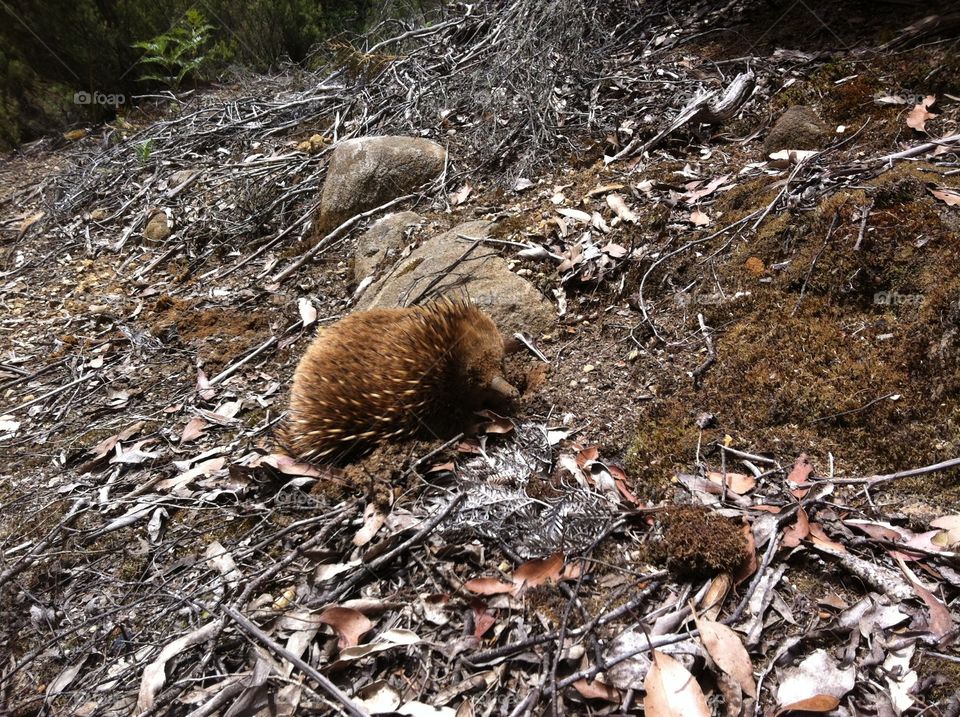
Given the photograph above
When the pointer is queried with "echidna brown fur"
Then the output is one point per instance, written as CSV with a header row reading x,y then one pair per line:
x,y
390,373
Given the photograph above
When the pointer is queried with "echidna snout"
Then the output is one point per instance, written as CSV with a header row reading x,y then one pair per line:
x,y
388,373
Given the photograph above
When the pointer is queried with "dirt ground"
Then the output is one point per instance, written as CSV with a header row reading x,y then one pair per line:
x,y
107,356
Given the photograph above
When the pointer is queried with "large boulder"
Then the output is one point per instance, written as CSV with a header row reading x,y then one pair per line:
x,y
369,171
381,242
514,303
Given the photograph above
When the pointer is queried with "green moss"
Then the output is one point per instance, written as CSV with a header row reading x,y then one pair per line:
x,y
666,443
809,359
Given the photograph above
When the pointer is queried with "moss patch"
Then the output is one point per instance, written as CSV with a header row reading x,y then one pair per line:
x,y
697,543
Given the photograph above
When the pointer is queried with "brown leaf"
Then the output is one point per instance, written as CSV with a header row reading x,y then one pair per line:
x,y
750,564
30,221
947,195
671,690
798,531
739,483
801,470
587,455
819,537
698,190
537,572
350,625
483,620
106,446
373,519
488,586
940,622
289,466
817,703
193,430
726,649
495,423
596,690
919,114
614,250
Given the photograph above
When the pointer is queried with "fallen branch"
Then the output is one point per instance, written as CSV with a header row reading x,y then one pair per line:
x,y
326,685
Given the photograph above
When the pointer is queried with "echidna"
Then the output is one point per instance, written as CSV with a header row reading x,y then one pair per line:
x,y
390,373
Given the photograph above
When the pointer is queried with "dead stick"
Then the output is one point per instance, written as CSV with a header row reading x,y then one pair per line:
x,y
919,149
886,478
326,685
260,250
307,256
366,570
27,560
49,394
711,356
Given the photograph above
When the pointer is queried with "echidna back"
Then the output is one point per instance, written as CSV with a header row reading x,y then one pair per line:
x,y
388,373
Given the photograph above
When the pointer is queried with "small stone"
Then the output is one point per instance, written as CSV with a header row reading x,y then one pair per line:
x,y
798,128
158,228
588,368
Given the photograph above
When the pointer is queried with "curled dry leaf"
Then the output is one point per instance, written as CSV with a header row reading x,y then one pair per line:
x,y
597,690
308,312
483,619
386,640
802,468
378,697
950,525
750,564
817,703
940,622
529,574
154,674
460,196
373,519
671,690
785,157
739,483
793,534
495,423
350,625
576,215
619,207
819,537
193,430
919,115
726,649
948,195
537,572
488,586
817,675
289,466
